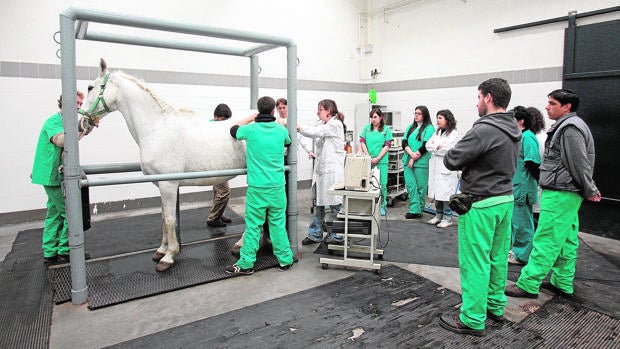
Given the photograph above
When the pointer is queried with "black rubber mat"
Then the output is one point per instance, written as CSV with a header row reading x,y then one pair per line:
x,y
124,235
396,309
413,241
117,280
25,296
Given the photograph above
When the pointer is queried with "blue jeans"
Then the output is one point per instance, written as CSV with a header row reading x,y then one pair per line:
x,y
315,230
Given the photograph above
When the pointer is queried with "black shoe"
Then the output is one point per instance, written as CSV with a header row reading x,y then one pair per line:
x,y
50,260
515,291
63,258
226,219
333,242
410,215
308,241
452,322
236,270
285,267
496,318
546,284
216,223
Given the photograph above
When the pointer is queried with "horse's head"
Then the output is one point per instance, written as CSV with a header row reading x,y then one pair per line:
x,y
98,101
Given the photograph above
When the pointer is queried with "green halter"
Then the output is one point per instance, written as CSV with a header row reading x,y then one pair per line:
x,y
91,116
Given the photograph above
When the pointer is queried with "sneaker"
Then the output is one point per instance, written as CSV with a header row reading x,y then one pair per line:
x,y
308,241
453,323
410,215
444,224
513,260
383,211
515,291
285,267
236,270
332,241
216,223
226,219
50,260
434,221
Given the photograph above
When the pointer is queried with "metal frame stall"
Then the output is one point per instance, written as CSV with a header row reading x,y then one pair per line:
x,y
74,26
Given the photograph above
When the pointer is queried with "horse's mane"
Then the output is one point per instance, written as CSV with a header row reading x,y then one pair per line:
x,y
163,105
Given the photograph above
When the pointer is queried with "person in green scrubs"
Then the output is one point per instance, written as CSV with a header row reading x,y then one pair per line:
x,y
416,160
376,140
525,185
266,194
487,155
46,171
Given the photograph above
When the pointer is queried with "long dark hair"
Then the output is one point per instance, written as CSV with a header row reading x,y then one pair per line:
x,y
538,121
450,121
382,120
426,120
330,106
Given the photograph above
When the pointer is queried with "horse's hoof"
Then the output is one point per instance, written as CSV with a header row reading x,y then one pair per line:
x,y
163,266
158,256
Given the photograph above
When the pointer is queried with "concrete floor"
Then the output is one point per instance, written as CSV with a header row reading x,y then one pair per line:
x,y
77,327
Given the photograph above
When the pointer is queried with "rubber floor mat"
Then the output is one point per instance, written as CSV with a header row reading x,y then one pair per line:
x,y
396,309
116,280
25,296
412,242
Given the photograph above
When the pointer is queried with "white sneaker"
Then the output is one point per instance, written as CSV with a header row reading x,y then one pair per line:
x,y
513,260
444,224
434,221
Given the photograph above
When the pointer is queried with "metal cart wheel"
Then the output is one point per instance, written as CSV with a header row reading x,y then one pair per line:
x,y
325,266
403,196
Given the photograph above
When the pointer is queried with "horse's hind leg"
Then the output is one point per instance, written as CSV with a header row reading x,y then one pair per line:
x,y
168,210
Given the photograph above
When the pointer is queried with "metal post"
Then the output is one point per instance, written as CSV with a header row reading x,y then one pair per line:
x,y
79,289
254,70
291,95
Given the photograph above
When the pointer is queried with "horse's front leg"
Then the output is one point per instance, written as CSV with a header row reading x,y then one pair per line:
x,y
161,250
168,212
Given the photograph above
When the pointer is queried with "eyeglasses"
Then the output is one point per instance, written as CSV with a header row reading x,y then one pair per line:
x,y
375,117
418,113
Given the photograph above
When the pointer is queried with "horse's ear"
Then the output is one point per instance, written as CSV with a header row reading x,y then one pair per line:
x,y
103,65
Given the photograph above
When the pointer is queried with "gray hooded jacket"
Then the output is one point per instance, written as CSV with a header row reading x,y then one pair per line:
x,y
487,155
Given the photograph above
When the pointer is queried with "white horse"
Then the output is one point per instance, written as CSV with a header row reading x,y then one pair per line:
x,y
170,141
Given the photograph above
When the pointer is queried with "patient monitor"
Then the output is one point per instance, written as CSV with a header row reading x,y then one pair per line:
x,y
357,174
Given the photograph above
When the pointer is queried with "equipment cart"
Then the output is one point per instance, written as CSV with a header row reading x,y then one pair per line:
x,y
358,206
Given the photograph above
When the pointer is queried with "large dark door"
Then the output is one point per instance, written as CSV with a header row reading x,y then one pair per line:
x,y
592,70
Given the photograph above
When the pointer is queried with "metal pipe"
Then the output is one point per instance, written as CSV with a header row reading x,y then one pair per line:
x,y
557,19
254,71
112,168
161,177
162,43
73,201
291,94
171,26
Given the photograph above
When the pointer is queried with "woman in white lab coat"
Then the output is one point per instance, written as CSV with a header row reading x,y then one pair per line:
x,y
328,168
441,181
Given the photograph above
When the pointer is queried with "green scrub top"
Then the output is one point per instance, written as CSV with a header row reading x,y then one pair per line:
x,y
375,141
525,186
265,143
415,144
48,157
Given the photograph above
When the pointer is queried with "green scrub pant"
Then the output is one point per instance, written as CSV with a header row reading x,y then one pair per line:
x,y
484,240
555,243
522,231
55,237
383,170
416,180
262,203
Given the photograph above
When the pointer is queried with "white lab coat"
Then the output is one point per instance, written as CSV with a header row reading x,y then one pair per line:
x,y
329,162
441,181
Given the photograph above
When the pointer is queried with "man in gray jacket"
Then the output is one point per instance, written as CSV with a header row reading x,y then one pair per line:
x,y
566,178
487,155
